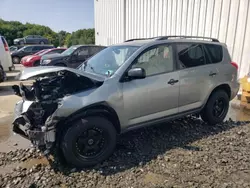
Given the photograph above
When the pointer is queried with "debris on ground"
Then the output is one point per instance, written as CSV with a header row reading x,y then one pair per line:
x,y
183,153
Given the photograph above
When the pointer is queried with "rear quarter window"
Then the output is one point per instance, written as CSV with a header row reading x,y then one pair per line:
x,y
215,52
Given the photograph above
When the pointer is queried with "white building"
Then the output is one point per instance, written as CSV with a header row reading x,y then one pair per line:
x,y
226,20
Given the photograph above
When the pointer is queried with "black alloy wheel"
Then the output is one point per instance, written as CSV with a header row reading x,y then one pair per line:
x,y
216,108
88,141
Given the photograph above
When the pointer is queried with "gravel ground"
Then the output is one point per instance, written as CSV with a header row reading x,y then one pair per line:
x,y
184,153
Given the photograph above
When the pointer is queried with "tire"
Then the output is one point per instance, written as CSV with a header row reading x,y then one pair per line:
x,y
71,148
2,74
16,60
216,108
42,42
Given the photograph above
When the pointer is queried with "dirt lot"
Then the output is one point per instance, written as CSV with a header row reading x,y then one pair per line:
x,y
183,153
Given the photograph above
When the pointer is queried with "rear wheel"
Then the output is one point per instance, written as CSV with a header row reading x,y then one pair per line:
x,y
216,108
2,74
42,42
16,60
89,141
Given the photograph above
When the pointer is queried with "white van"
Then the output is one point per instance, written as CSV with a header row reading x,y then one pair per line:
x,y
5,57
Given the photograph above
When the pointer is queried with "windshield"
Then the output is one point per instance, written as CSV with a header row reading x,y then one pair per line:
x,y
69,51
107,61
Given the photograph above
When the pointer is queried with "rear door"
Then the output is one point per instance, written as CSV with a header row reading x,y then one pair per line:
x,y
197,75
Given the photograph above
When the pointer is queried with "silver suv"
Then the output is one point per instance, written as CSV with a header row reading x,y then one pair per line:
x,y
126,86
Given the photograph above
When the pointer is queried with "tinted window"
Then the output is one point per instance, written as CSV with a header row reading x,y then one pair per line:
x,y
94,50
38,48
214,52
82,52
191,55
156,60
47,47
28,49
30,37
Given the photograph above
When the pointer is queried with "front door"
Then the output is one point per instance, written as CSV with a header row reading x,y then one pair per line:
x,y
78,57
155,96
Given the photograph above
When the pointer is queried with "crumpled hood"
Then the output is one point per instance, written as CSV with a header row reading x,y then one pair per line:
x,y
28,73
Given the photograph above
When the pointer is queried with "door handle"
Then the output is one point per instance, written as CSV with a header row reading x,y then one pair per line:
x,y
212,73
172,81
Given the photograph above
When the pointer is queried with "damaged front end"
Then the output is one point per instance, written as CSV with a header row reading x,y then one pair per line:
x,y
34,114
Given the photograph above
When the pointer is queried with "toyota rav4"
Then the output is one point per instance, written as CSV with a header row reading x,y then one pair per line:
x,y
137,83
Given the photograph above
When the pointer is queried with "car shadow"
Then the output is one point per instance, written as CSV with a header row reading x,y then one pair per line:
x,y
138,147
6,90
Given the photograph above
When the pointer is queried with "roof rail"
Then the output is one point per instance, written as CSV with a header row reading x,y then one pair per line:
x,y
140,39
185,37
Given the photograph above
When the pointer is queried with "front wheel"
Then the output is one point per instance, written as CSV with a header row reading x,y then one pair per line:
x,y
89,141
216,108
42,42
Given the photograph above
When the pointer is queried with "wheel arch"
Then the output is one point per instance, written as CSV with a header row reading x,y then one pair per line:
x,y
97,109
224,87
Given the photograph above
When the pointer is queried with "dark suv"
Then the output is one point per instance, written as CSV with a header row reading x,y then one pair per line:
x,y
28,50
72,57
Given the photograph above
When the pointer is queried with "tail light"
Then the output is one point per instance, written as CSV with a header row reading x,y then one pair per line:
x,y
235,65
5,44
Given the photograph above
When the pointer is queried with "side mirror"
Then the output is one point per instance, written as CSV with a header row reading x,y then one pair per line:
x,y
137,73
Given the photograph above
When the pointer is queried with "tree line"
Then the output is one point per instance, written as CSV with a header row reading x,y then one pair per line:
x,y
14,29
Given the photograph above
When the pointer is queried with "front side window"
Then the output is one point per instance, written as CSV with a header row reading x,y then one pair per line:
x,y
28,49
82,52
157,60
191,55
69,51
30,37
108,60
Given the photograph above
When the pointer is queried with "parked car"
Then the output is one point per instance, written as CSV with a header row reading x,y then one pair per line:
x,y
72,57
31,39
14,48
121,88
28,50
34,60
2,73
5,57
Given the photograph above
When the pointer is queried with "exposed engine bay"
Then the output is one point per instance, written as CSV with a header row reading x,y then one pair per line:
x,y
40,101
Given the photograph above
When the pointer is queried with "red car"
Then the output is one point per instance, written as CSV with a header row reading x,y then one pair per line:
x,y
34,60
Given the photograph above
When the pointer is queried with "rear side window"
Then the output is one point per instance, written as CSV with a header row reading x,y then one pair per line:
x,y
214,52
37,48
191,55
